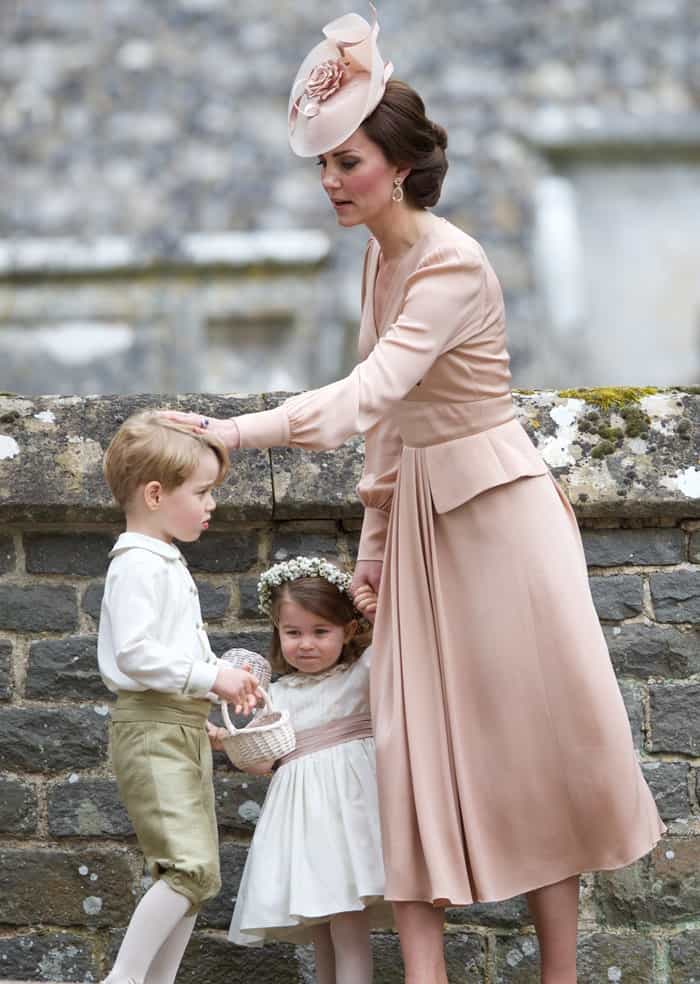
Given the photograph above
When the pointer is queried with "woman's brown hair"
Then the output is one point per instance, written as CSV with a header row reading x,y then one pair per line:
x,y
315,594
407,138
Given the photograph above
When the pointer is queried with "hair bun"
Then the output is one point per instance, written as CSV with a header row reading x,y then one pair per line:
x,y
440,134
408,138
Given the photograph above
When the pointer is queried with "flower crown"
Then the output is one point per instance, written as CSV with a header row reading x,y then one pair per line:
x,y
293,570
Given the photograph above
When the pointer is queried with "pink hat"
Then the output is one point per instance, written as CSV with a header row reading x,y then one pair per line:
x,y
340,82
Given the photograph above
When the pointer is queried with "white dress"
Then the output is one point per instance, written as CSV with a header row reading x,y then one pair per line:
x,y
317,846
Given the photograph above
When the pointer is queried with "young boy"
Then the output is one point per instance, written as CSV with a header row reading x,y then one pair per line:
x,y
154,654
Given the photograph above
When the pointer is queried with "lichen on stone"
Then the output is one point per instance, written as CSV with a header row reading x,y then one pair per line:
x,y
684,429
618,416
602,449
637,422
609,397
610,433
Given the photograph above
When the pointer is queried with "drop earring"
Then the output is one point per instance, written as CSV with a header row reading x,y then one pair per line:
x,y
397,193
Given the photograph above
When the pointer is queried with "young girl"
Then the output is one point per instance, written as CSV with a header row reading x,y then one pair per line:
x,y
314,871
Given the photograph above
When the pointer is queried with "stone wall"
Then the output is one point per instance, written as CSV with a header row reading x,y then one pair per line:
x,y
231,311
162,119
70,870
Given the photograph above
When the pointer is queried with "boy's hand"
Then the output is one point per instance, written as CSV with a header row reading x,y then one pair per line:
x,y
215,735
237,687
365,599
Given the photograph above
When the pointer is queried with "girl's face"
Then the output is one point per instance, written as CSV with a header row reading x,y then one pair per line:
x,y
310,643
359,180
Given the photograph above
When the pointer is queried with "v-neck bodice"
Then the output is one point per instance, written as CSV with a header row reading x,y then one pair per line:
x,y
383,310
381,306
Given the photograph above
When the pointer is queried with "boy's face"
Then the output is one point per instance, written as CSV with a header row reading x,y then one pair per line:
x,y
183,513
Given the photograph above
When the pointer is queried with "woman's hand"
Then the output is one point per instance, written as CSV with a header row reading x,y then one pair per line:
x,y
367,573
226,430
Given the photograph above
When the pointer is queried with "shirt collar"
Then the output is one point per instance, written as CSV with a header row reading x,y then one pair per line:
x,y
129,541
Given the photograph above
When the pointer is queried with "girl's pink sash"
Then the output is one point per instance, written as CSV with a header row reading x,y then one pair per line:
x,y
325,735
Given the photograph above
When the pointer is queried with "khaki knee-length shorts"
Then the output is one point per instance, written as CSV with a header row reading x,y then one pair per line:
x,y
162,760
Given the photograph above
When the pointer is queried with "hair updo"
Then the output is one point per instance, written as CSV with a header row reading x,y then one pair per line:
x,y
407,138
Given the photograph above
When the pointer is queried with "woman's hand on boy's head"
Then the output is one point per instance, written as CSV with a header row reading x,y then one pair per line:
x,y
226,430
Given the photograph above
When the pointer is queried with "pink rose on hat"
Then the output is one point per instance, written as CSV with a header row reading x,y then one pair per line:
x,y
347,62
325,79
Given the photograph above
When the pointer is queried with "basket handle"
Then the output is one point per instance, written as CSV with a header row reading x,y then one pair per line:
x,y
231,727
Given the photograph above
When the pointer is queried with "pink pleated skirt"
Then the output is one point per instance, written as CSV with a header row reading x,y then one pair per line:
x,y
504,752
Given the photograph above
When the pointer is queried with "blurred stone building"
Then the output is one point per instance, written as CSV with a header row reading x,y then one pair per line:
x,y
157,234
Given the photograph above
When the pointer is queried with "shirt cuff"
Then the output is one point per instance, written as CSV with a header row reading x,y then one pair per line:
x,y
266,429
373,535
202,678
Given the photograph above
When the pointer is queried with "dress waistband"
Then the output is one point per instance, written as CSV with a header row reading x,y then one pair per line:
x,y
336,732
422,424
152,705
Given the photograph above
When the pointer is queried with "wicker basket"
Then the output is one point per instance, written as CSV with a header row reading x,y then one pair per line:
x,y
259,666
268,735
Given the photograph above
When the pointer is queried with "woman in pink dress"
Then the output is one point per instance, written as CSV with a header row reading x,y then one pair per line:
x,y
504,753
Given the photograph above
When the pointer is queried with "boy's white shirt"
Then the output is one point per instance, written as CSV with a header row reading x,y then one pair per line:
x,y
151,635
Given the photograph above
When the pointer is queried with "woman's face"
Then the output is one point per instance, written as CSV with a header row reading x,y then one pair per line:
x,y
358,179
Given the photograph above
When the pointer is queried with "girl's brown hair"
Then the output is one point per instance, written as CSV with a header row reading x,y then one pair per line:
x,y
407,138
319,596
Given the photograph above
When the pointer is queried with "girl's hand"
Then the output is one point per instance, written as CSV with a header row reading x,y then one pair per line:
x,y
367,572
215,735
365,599
226,430
260,768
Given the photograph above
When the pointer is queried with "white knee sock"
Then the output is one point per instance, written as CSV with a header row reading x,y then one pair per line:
x,y
153,921
167,961
353,948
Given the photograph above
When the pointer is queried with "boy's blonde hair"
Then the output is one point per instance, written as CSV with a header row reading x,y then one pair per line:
x,y
150,448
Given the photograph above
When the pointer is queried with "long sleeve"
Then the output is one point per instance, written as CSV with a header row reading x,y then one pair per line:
x,y
135,600
376,487
443,303
382,445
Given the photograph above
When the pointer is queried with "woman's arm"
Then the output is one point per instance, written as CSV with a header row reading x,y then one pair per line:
x,y
444,300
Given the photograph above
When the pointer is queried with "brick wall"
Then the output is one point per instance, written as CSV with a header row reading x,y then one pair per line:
x,y
70,870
